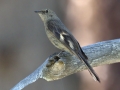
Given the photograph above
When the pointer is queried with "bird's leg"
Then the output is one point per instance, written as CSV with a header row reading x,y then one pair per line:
x,y
53,60
60,52
57,56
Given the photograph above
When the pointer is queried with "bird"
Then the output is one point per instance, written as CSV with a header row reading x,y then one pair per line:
x,y
62,38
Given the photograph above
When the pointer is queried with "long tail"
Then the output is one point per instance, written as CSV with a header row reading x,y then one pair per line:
x,y
81,55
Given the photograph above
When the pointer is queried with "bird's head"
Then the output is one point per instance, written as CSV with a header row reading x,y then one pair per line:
x,y
46,14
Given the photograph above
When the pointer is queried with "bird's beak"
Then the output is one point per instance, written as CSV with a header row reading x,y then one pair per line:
x,y
39,11
42,12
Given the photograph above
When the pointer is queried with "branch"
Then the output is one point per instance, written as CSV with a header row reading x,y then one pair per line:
x,y
62,64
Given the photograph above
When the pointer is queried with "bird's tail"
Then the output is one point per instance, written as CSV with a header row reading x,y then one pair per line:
x,y
83,57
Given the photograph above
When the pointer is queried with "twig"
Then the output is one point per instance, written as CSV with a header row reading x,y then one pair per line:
x,y
62,64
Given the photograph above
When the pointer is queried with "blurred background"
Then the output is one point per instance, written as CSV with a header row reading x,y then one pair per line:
x,y
24,45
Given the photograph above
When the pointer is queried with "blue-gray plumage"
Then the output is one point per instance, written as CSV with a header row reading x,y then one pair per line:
x,y
61,37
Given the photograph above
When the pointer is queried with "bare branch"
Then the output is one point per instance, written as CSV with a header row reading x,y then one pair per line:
x,y
63,64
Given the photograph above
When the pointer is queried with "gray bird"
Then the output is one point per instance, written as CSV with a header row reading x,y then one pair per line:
x,y
61,38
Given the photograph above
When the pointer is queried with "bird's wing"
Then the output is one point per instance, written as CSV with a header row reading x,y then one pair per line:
x,y
64,36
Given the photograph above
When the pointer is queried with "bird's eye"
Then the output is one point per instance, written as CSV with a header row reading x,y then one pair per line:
x,y
46,11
